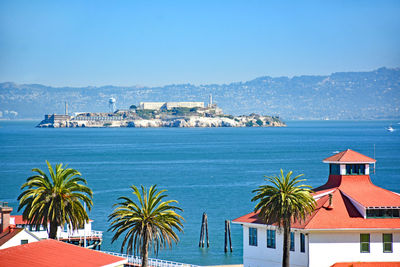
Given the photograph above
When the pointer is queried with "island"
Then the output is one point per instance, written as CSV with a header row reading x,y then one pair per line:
x,y
160,114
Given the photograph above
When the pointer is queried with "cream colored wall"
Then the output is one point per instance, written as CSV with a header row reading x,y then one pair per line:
x,y
16,240
327,248
262,256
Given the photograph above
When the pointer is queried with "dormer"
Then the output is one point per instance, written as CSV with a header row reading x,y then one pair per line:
x,y
349,162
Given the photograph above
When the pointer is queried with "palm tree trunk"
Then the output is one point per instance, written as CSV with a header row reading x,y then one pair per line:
x,y
53,230
145,249
286,244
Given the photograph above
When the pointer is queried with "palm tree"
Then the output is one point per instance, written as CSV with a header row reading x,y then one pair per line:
x,y
148,221
55,199
283,202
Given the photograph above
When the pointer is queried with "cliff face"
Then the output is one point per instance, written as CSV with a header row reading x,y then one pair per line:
x,y
240,121
244,121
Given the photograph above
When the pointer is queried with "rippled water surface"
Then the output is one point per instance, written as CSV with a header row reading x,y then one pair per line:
x,y
210,170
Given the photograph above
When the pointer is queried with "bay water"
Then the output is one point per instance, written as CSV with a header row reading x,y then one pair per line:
x,y
212,170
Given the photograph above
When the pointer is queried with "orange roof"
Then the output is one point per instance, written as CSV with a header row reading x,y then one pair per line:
x,y
18,219
55,253
9,233
366,264
360,188
342,215
349,156
347,191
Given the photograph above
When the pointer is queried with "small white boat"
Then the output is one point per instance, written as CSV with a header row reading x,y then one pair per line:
x,y
390,129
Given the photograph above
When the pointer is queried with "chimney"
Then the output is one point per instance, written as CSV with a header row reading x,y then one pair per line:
x,y
330,206
5,211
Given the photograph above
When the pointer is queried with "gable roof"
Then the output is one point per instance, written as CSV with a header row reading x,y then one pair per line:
x,y
8,234
56,253
349,156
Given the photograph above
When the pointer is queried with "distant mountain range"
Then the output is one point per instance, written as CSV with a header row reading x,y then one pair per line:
x,y
339,96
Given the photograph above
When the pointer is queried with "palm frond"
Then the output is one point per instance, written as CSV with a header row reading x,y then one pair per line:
x,y
147,217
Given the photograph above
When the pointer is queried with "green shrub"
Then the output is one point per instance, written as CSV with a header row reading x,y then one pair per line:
x,y
249,124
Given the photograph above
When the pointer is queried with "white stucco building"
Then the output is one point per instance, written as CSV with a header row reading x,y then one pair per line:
x,y
13,226
354,221
169,105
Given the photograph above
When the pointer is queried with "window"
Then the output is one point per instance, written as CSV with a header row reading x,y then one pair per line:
x,y
24,241
353,169
364,243
388,243
253,236
302,243
383,213
334,169
271,238
291,241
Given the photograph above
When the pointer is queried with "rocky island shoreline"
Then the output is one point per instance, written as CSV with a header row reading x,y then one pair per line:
x,y
161,114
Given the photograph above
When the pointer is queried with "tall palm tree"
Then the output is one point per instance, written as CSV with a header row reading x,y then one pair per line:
x,y
147,220
282,202
55,199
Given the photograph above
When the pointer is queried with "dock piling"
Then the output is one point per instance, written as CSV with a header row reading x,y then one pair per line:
x,y
204,231
228,236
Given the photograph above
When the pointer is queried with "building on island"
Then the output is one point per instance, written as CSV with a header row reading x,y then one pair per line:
x,y
11,225
169,105
354,221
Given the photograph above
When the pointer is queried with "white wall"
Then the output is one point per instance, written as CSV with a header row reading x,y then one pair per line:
x,y
327,248
262,256
16,240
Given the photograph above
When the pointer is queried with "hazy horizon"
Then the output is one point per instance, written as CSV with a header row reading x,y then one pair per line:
x,y
156,43
205,84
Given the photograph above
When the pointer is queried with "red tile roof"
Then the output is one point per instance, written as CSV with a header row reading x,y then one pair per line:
x,y
18,219
9,233
55,253
361,189
349,156
347,191
342,215
366,264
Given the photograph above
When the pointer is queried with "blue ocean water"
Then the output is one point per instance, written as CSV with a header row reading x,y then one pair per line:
x,y
210,170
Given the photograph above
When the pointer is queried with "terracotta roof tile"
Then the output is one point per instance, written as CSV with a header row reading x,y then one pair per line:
x,y
366,264
55,253
349,156
9,233
347,191
18,219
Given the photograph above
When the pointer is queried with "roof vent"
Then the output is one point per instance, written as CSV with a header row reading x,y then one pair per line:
x,y
330,206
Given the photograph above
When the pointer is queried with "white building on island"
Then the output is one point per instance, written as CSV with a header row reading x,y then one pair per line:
x,y
354,221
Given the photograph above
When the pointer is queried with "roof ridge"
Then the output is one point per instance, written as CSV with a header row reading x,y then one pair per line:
x,y
343,194
343,153
313,214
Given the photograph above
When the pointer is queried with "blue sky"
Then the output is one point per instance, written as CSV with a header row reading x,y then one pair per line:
x,y
80,43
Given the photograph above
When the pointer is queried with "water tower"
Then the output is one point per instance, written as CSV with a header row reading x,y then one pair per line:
x,y
111,104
